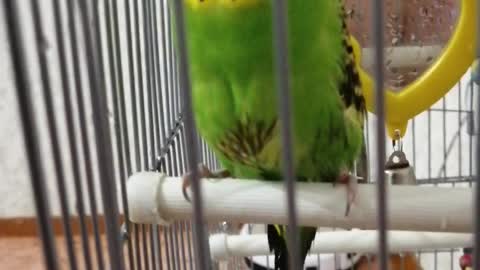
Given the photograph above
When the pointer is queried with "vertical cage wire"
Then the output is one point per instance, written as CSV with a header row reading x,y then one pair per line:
x,y
86,151
137,80
280,22
476,255
159,122
117,95
202,254
460,163
47,86
378,44
97,81
24,98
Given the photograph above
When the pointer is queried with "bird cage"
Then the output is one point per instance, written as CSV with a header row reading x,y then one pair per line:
x,y
98,131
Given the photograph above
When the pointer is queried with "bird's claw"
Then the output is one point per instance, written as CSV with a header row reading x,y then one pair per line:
x,y
203,172
351,185
352,188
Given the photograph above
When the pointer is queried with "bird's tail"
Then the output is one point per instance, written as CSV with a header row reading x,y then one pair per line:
x,y
277,235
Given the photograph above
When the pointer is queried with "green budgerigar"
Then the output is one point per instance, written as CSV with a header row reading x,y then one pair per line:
x,y
234,91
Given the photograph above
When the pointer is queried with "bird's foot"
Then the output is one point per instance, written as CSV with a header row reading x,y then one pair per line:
x,y
203,172
352,187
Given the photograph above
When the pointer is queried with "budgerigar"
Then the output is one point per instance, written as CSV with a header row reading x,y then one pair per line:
x,y
231,60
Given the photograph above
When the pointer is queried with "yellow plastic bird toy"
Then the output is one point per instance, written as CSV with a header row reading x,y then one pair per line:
x,y
443,74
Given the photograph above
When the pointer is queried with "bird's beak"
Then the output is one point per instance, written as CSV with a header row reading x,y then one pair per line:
x,y
468,268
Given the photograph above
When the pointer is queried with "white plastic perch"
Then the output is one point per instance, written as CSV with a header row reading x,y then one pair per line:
x,y
223,246
155,198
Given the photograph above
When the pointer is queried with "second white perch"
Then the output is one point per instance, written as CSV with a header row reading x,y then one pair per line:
x,y
223,246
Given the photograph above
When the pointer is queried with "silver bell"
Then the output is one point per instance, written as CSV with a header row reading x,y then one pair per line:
x,y
398,170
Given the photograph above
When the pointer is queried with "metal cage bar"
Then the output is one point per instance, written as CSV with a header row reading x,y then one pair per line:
x,y
47,87
280,22
102,135
75,51
201,248
378,43
476,257
24,98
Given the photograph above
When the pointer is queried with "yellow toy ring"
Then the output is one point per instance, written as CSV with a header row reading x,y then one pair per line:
x,y
439,78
